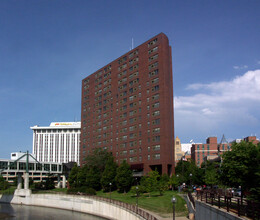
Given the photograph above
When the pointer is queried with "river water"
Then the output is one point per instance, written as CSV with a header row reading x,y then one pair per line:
x,y
23,212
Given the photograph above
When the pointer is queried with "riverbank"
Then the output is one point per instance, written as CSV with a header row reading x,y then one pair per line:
x,y
84,204
5,215
159,205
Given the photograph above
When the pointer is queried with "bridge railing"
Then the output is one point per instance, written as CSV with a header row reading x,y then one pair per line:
x,y
129,207
224,199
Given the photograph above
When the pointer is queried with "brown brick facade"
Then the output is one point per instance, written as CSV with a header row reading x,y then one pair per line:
x,y
202,152
127,108
199,152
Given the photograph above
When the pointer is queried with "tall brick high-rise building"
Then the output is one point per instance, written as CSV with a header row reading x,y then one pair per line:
x,y
127,108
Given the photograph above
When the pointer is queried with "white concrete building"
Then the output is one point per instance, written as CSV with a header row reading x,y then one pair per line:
x,y
59,143
17,155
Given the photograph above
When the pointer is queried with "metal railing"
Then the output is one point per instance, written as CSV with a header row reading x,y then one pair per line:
x,y
129,207
224,199
191,199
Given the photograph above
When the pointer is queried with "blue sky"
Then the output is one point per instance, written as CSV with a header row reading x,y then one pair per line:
x,y
48,47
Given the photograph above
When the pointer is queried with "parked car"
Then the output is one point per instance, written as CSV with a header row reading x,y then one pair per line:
x,y
237,192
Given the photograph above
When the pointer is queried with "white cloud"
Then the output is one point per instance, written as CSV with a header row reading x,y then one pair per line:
x,y
240,67
218,105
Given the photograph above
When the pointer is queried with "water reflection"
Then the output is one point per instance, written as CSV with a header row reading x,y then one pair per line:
x,y
23,212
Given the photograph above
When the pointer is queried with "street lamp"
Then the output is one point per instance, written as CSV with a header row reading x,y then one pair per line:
x,y
241,195
110,184
191,181
174,200
137,197
179,189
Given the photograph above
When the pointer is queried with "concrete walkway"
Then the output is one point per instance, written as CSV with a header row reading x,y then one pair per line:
x,y
166,218
176,218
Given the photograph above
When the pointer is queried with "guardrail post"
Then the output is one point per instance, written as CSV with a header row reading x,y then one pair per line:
x,y
238,207
227,204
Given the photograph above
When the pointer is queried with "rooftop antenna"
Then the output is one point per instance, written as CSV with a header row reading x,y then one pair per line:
x,y
132,43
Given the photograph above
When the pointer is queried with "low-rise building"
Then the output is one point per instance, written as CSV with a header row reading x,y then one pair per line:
x,y
199,152
211,150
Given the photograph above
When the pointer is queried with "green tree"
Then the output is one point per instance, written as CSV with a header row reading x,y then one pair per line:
x,y
124,177
184,168
93,177
211,177
241,167
82,175
173,181
98,158
109,174
150,182
49,183
163,184
3,183
73,177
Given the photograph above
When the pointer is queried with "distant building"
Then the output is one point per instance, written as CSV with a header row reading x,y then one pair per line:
x,y
211,149
186,148
127,108
181,150
19,155
59,142
178,151
10,168
252,139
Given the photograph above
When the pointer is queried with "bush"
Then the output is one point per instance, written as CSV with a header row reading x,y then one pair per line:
x,y
72,190
38,185
82,190
3,183
91,191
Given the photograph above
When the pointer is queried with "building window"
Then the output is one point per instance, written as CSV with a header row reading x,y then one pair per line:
x,y
156,147
132,159
153,42
156,156
156,138
155,88
122,60
154,65
154,73
156,113
154,57
153,50
156,130
133,54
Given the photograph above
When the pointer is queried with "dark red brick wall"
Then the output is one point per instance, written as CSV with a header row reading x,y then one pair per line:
x,y
96,126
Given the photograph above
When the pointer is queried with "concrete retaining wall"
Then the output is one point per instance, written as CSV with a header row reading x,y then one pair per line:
x,y
207,212
74,203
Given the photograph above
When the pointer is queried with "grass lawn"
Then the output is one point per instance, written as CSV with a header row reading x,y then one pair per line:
x,y
10,190
161,205
155,203
56,190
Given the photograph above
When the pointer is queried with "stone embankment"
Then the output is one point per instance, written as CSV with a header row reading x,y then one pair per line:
x,y
75,203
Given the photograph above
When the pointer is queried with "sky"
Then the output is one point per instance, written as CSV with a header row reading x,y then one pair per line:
x,y
48,46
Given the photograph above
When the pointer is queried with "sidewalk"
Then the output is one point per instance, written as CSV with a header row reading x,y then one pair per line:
x,y
176,218
166,218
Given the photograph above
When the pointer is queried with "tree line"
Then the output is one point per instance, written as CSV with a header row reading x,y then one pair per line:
x,y
100,172
239,167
